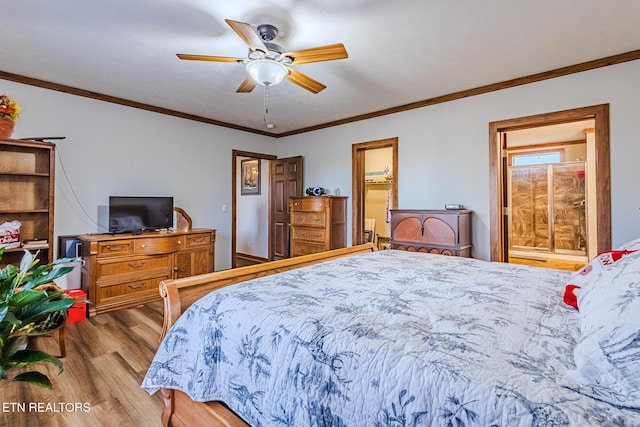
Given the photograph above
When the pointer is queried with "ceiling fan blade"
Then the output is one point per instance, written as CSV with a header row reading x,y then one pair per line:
x,y
247,85
248,35
317,54
191,57
304,81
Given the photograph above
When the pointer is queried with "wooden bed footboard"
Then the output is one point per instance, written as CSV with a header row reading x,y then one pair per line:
x,y
178,294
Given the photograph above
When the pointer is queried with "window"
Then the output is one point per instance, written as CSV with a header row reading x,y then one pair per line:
x,y
536,158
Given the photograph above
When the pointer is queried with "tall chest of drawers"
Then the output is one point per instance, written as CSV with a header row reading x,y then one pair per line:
x,y
124,270
446,232
318,224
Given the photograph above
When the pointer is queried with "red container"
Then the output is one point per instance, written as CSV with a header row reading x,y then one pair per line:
x,y
78,311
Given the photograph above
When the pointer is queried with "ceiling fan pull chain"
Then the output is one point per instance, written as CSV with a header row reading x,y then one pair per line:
x,y
266,100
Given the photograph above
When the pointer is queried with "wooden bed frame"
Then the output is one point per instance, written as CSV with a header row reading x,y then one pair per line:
x,y
179,410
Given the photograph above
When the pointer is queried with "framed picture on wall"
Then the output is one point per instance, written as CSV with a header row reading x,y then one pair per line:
x,y
250,177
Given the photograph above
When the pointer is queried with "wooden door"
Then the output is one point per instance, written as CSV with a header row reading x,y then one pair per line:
x,y
286,182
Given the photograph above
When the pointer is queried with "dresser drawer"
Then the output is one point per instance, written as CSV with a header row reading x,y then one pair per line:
x,y
196,240
308,204
311,219
132,265
304,248
115,248
309,233
155,245
130,288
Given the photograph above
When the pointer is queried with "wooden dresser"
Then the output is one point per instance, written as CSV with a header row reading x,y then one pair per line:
x,y
317,224
446,232
124,270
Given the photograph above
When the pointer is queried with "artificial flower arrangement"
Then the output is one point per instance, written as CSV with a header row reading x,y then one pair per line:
x,y
9,109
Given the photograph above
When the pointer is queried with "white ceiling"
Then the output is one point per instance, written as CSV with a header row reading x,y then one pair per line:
x,y
400,52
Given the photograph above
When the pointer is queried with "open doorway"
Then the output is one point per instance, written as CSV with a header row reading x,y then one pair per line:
x,y
250,237
261,187
550,192
374,189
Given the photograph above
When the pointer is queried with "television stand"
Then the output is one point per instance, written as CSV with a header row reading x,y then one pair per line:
x,y
125,270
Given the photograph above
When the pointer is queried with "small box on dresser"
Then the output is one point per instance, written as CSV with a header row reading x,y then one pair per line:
x,y
446,232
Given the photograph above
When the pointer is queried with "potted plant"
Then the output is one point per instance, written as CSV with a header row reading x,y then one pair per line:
x,y
9,112
31,304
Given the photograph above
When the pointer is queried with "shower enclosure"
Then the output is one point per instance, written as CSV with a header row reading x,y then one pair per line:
x,y
548,217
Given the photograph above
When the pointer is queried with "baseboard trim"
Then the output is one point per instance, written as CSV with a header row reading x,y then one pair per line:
x,y
246,259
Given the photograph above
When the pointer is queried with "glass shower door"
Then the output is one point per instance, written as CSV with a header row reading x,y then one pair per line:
x,y
529,202
548,208
569,208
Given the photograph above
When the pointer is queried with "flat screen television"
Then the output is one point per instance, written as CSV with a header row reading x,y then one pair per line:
x,y
129,214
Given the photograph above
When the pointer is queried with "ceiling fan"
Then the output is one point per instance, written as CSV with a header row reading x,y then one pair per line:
x,y
268,63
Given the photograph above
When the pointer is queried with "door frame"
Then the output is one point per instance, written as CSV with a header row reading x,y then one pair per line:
x,y
498,173
234,187
357,183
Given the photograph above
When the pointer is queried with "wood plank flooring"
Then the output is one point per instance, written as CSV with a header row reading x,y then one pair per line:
x,y
107,358
550,263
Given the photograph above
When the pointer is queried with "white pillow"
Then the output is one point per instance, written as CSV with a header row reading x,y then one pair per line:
x,y
592,272
608,353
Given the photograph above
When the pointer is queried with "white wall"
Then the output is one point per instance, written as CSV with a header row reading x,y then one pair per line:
x,y
443,152
115,150
443,149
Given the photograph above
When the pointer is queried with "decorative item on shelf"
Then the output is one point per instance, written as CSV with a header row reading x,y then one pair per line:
x,y
9,112
10,234
35,244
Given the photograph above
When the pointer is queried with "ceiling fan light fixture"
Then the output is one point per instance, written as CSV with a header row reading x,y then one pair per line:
x,y
267,72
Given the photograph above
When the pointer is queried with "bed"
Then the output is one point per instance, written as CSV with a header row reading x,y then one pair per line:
x,y
358,337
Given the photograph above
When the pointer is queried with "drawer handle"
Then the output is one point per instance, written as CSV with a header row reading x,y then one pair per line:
x,y
114,248
179,242
132,265
198,239
143,246
178,269
138,286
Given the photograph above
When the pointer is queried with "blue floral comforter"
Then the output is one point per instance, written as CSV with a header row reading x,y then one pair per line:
x,y
390,338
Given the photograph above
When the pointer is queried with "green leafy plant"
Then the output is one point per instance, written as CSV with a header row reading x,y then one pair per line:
x,y
30,304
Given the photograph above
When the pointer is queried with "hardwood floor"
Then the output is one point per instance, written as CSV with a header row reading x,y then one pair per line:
x,y
107,358
550,263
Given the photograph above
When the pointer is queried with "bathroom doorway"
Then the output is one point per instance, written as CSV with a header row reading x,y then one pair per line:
x,y
550,193
547,195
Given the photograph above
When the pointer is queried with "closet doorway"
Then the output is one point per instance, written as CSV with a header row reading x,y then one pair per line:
x,y
374,190
550,194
